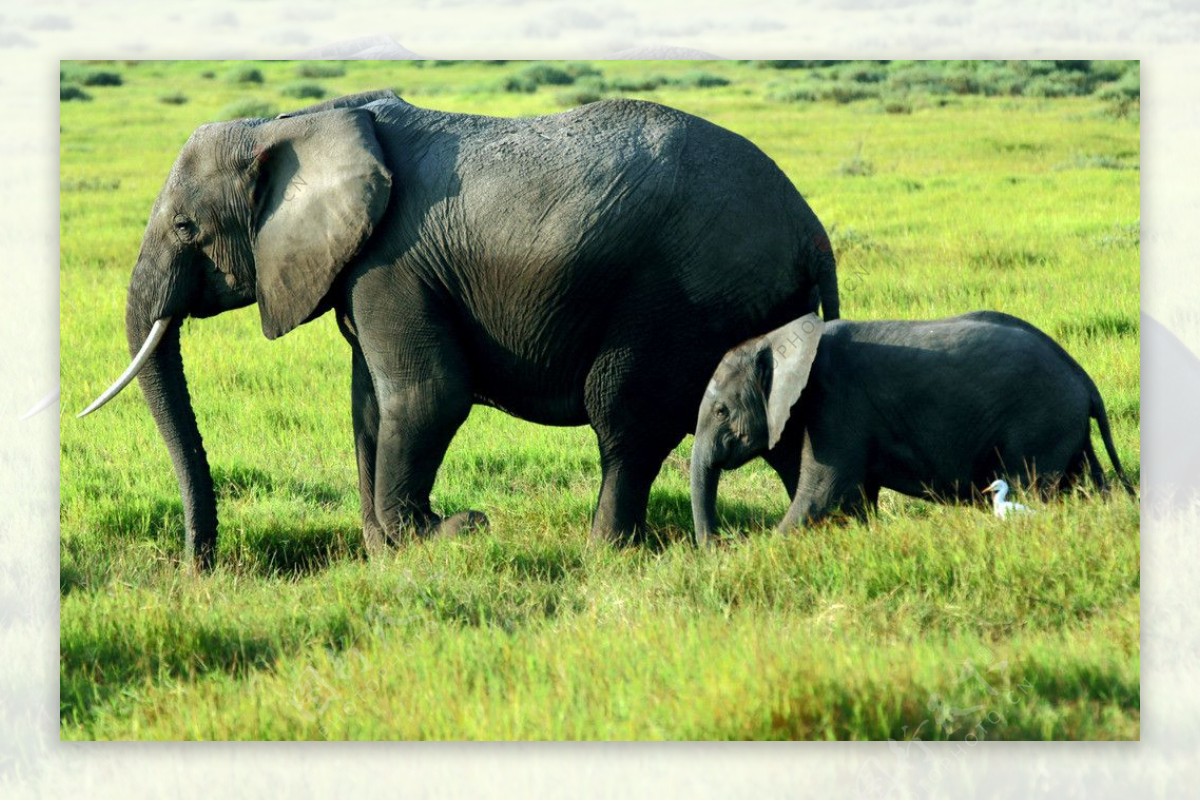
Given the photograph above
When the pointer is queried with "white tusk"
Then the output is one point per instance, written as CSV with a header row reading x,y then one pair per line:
x,y
44,403
152,339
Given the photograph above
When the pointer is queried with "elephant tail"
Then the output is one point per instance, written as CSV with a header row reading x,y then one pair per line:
x,y
827,280
1097,411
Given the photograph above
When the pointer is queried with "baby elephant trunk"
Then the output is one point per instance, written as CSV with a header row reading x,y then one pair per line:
x,y
705,478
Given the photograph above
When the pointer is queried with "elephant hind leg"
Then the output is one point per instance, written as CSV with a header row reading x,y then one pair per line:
x,y
627,477
637,425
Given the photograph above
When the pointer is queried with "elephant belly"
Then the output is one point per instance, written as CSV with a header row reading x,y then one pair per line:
x,y
532,394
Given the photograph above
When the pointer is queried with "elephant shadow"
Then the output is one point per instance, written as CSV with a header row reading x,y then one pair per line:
x,y
669,518
242,481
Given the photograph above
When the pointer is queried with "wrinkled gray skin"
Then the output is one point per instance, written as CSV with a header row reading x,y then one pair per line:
x,y
935,409
589,267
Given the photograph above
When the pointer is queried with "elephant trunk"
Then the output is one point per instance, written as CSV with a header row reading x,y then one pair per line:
x,y
165,388
705,478
157,300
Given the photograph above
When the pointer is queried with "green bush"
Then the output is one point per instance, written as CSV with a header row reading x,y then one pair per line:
x,y
89,77
304,91
1105,71
579,96
962,82
582,69
857,166
68,91
792,94
700,80
647,84
918,78
849,92
102,78
795,65
321,69
247,107
1033,68
516,83
245,75
173,98
865,73
1124,97
546,75
1058,85
896,105
1129,88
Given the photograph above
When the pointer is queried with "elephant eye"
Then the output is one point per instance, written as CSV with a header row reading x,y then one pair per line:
x,y
721,411
184,227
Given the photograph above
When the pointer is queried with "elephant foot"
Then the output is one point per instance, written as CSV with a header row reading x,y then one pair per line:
x,y
616,537
463,523
375,542
378,542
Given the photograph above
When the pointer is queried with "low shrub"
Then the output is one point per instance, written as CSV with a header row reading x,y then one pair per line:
x,y
84,76
581,69
646,84
865,72
245,75
101,78
579,96
321,69
849,92
792,94
69,91
795,65
857,166
304,91
173,98
546,75
516,83
247,107
700,80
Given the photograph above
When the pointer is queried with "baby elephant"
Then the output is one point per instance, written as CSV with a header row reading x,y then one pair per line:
x,y
934,409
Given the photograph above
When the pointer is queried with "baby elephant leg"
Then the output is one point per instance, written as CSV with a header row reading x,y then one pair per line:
x,y
823,490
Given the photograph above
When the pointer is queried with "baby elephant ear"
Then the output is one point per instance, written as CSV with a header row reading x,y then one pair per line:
x,y
321,186
793,348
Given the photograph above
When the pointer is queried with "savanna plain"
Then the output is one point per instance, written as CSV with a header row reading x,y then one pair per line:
x,y
946,187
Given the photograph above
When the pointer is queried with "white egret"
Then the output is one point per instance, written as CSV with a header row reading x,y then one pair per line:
x,y
1000,506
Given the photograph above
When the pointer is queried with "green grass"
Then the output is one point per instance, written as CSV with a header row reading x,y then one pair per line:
x,y
938,622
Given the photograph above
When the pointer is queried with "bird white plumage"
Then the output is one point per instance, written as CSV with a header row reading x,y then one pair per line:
x,y
1002,507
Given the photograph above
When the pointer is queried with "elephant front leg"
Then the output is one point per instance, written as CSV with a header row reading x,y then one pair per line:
x,y
364,409
823,489
636,429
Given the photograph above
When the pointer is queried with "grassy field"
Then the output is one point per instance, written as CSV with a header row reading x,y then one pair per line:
x,y
930,622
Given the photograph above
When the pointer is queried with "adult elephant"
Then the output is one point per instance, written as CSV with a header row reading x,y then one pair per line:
x,y
585,267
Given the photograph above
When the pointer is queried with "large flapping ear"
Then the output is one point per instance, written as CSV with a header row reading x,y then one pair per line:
x,y
793,348
321,188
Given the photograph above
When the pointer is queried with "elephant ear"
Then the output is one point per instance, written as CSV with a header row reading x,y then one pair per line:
x,y
321,187
793,348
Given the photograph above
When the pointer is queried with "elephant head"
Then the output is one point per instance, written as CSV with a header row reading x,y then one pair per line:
x,y
746,408
253,211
